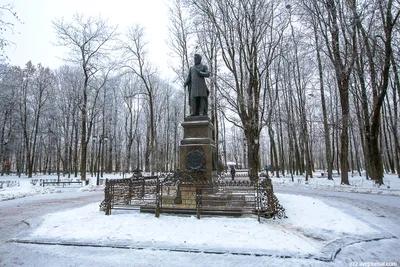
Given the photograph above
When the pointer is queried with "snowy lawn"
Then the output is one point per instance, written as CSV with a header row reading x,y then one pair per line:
x,y
313,230
358,184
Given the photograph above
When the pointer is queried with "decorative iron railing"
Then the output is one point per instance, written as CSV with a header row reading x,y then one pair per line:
x,y
178,194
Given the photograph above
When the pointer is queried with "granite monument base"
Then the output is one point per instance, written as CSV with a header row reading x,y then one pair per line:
x,y
198,159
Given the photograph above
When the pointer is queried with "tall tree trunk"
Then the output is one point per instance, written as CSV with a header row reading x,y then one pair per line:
x,y
83,127
328,151
394,118
76,139
388,142
343,66
379,89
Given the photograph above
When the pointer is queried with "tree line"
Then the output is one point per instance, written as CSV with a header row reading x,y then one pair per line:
x,y
310,84
298,85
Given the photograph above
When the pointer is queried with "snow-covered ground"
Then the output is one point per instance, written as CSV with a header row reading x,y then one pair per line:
x,y
313,234
23,187
20,187
358,184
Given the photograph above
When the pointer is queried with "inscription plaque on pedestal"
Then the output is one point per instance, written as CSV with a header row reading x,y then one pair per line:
x,y
196,161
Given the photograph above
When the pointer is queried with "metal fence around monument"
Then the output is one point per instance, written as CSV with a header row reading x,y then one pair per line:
x,y
179,195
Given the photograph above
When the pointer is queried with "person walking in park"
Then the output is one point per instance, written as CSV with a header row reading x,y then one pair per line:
x,y
233,171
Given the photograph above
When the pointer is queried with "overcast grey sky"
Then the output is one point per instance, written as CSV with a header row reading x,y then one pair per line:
x,y
35,37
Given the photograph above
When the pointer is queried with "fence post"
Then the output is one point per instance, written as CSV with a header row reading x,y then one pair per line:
x,y
108,196
258,204
198,202
158,198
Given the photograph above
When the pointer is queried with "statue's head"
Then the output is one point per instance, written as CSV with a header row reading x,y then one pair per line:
x,y
197,59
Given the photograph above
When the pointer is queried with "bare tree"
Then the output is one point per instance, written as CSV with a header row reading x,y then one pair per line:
x,y
34,93
9,77
180,32
89,42
7,15
340,45
378,53
394,116
328,151
243,34
136,62
130,93
68,91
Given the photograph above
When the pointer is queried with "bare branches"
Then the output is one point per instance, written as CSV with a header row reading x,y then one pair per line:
x,y
7,15
89,39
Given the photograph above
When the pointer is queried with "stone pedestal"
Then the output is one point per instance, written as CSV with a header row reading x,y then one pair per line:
x,y
198,156
182,197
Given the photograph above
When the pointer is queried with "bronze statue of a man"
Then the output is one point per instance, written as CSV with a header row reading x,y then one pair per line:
x,y
198,91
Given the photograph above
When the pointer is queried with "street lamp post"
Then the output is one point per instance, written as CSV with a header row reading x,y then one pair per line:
x,y
101,139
